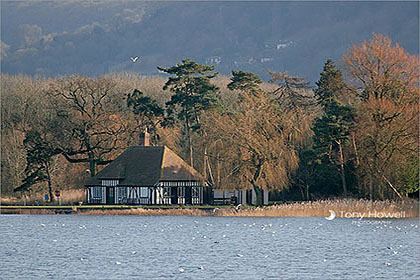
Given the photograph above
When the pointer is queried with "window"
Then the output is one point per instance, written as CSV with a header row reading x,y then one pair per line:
x,y
181,191
181,195
196,197
167,195
166,191
122,194
97,192
109,183
144,192
195,191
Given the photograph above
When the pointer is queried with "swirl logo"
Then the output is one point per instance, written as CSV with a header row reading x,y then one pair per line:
x,y
332,215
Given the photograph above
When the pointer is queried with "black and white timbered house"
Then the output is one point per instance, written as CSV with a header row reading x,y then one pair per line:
x,y
149,175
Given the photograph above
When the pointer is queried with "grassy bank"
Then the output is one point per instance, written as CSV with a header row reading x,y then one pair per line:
x,y
320,208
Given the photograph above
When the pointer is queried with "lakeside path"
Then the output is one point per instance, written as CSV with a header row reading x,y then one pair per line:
x,y
350,208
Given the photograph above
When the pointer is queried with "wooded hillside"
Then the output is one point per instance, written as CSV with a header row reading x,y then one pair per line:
x,y
97,37
354,137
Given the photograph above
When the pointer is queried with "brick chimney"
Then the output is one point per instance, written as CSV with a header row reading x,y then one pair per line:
x,y
145,138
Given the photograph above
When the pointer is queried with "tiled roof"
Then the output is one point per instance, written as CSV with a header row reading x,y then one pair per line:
x,y
146,166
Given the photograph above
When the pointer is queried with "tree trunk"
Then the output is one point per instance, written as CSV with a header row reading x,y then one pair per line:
x,y
209,170
47,169
205,163
218,170
307,192
370,187
258,193
257,189
302,192
342,173
189,139
392,187
191,152
92,165
355,150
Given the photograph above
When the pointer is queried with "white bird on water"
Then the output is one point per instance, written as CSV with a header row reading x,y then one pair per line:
x,y
181,269
134,59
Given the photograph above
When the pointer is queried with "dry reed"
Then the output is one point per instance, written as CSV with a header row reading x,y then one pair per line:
x,y
28,211
67,197
319,208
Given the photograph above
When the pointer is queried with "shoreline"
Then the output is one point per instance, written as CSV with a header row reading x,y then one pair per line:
x,y
341,209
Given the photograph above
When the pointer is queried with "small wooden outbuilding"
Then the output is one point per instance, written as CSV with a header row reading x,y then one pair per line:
x,y
229,196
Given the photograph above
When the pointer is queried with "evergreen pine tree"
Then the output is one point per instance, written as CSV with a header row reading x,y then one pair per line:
x,y
332,129
38,157
193,93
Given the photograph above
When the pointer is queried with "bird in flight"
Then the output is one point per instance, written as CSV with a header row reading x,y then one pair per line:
x,y
134,59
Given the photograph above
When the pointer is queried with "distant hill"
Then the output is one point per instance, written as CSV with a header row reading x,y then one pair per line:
x,y
93,37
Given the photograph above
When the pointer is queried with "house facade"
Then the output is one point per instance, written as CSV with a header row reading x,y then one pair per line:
x,y
147,175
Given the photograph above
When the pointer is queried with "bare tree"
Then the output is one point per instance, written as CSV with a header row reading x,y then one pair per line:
x,y
21,101
386,78
89,125
254,142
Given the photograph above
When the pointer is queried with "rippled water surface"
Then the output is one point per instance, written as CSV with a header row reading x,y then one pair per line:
x,y
138,247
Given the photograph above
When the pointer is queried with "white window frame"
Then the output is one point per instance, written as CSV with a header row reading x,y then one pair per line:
x,y
181,191
122,192
97,192
167,191
195,191
109,183
144,192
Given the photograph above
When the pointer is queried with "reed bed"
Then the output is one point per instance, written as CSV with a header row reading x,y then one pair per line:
x,y
28,211
320,208
72,196
67,197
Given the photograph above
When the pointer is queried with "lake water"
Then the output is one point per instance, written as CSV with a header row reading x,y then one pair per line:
x,y
183,247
